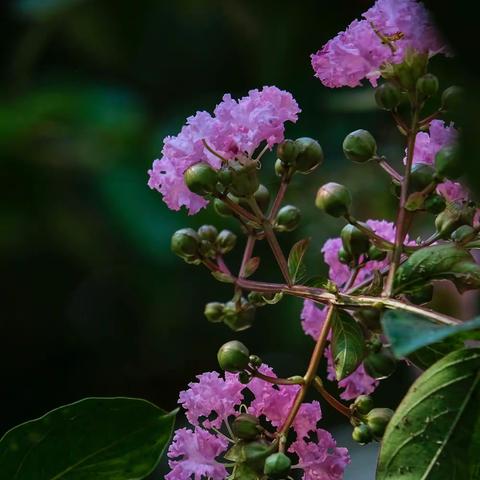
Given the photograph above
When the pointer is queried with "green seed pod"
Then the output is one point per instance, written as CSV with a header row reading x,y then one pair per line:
x,y
214,312
185,243
464,233
277,465
452,98
288,218
421,176
344,257
280,168
388,96
334,199
309,156
255,454
363,404
225,176
370,318
421,295
244,378
361,434
244,181
435,204
262,196
208,232
201,179
451,218
246,426
448,163
354,241
377,420
221,208
379,365
225,241
376,254
287,151
359,146
239,319
427,85
233,356
255,360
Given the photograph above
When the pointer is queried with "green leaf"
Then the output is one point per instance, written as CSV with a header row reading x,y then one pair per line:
x,y
94,438
444,261
316,282
425,357
435,432
251,266
408,333
296,266
348,344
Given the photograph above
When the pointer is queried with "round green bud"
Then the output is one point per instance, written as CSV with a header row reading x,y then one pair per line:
x,y
244,181
363,404
255,454
370,318
421,295
277,464
376,254
201,179
464,233
451,218
233,356
379,365
344,257
288,218
287,152
427,85
244,378
377,420
214,312
309,156
359,146
388,96
435,204
246,426
421,176
221,208
185,243
448,163
452,98
239,319
225,241
280,168
255,360
225,176
361,434
208,232
262,197
374,344
354,241
334,199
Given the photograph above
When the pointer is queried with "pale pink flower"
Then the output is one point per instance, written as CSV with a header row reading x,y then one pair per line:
x,y
453,191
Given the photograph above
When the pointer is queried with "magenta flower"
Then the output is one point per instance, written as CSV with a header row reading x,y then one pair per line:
x,y
235,131
453,191
360,51
321,459
194,453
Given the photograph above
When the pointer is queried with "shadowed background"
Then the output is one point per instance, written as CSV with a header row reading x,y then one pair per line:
x,y
93,301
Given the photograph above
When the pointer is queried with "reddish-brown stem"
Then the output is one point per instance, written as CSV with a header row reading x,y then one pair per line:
x,y
389,169
238,209
330,399
274,380
279,197
247,254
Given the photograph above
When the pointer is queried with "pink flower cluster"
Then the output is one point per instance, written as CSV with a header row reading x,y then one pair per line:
x,y
235,130
361,50
213,401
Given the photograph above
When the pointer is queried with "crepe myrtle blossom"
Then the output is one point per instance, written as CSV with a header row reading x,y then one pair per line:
x,y
385,33
234,130
196,453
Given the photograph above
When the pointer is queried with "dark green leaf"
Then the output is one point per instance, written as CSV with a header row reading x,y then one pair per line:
x,y
95,438
316,282
425,357
435,432
251,266
296,267
444,261
348,345
408,333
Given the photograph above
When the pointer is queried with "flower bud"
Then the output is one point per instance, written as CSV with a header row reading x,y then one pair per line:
x,y
452,98
244,378
448,163
376,254
344,257
421,176
225,241
244,182
370,318
464,233
255,360
354,241
379,365
288,218
388,96
221,208
435,204
246,426
262,197
239,319
377,420
201,179
214,312
427,85
255,454
185,243
361,434
277,464
334,199
309,156
359,146
363,404
208,233
287,151
233,356
421,295
451,218
280,168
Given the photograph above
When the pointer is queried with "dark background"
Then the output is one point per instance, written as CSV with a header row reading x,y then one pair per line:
x,y
93,302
